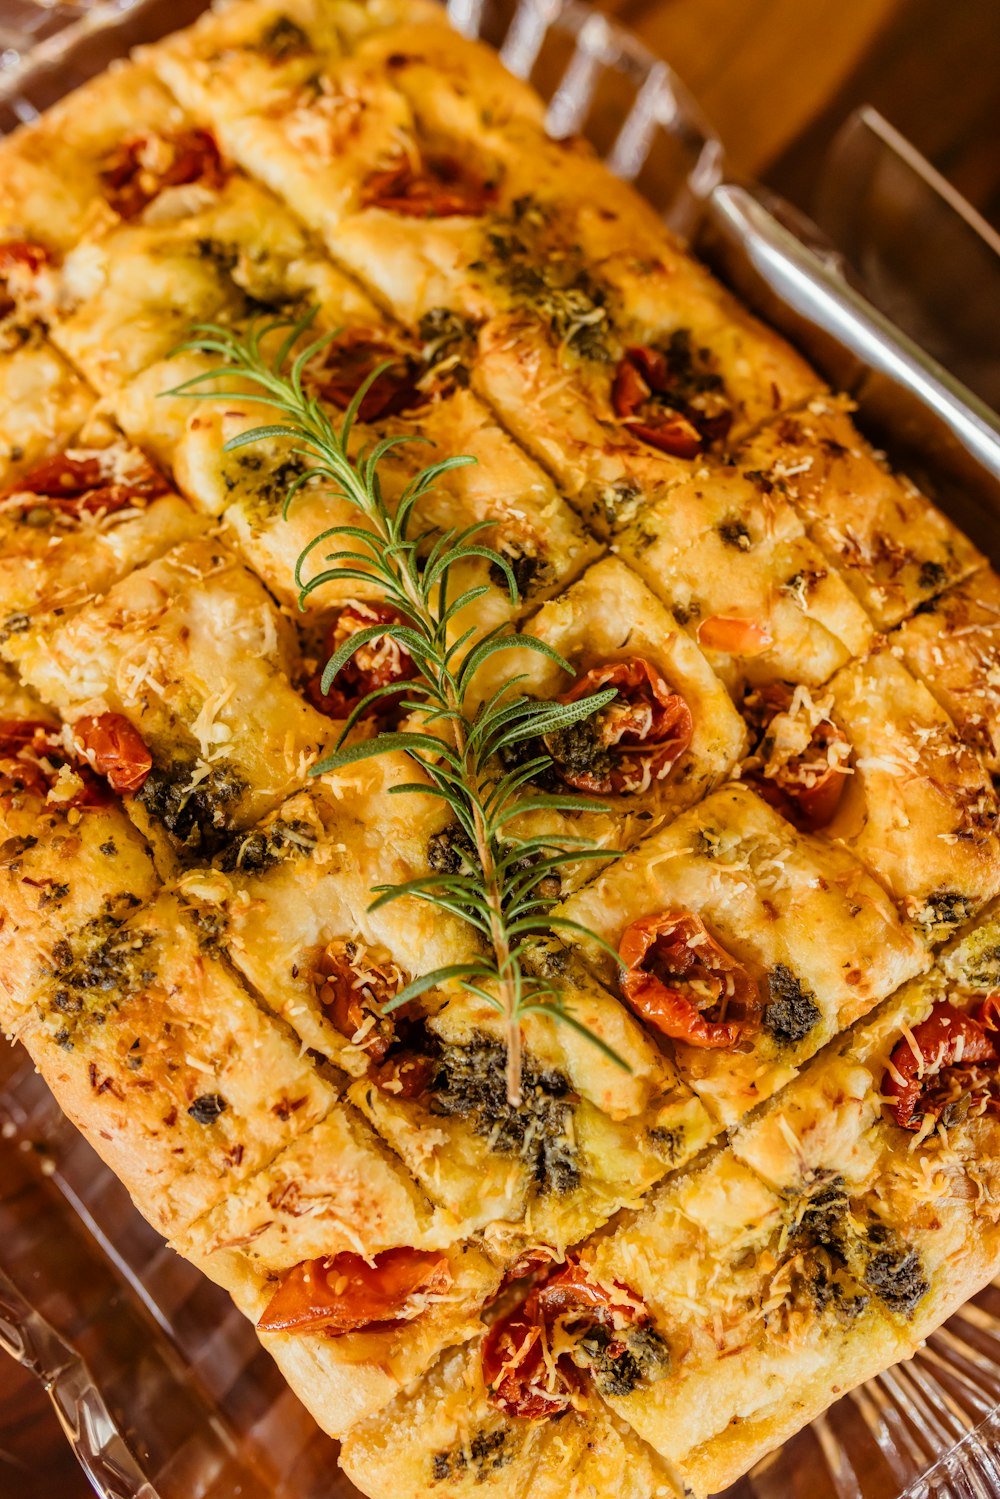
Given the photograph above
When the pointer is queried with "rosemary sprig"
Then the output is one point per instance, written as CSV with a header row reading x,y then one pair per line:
x,y
497,888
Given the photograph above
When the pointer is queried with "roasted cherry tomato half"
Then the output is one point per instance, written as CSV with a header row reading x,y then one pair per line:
x,y
31,756
17,734
345,1292
115,749
679,980
404,1075
987,1014
27,747
658,405
633,742
521,1374
350,358
353,987
22,254
83,483
520,1380
947,1042
139,170
440,187
804,763
375,664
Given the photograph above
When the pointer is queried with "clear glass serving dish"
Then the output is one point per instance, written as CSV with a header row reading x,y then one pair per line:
x,y
158,1383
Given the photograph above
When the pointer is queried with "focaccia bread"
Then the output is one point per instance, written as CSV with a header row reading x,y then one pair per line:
x,y
752,1158
740,1299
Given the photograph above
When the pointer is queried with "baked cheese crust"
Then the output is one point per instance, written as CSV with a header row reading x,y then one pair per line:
x,y
754,591
920,807
953,646
891,546
820,938
187,649
776,1173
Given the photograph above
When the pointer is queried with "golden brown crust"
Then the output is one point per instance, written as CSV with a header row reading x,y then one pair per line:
x,y
819,936
893,548
953,646
144,1038
751,587
919,807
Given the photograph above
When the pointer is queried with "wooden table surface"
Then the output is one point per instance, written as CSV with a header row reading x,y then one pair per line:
x,y
776,77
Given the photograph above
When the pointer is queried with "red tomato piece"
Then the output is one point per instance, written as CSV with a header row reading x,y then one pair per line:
x,y
31,756
138,170
519,1378
652,399
738,637
571,1292
404,1076
804,781
441,187
377,663
947,1040
678,978
353,987
17,734
347,362
644,731
83,483
18,255
345,1292
115,749
987,1013
24,742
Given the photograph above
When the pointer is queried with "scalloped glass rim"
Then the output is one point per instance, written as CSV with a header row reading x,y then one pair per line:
x,y
158,1383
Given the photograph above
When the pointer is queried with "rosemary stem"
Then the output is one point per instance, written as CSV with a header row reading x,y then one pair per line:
x,y
471,781
483,843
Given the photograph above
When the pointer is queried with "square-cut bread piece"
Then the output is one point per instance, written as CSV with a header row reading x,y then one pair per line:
x,y
669,735
748,943
953,645
70,859
160,1057
752,589
192,651
889,543
633,383
912,1205
919,806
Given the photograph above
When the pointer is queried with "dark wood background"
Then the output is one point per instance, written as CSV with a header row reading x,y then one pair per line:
x,y
777,78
